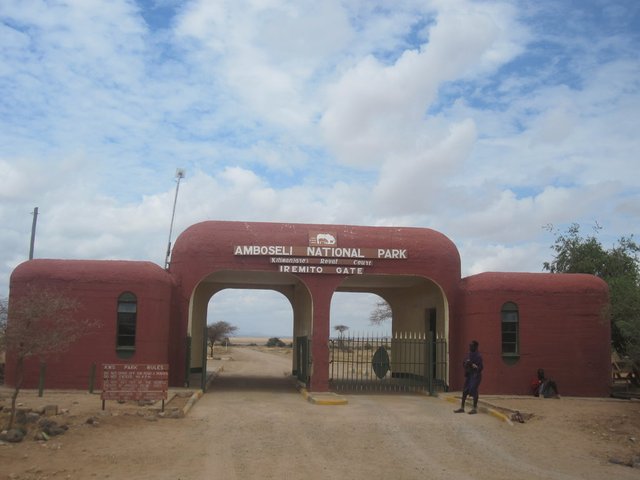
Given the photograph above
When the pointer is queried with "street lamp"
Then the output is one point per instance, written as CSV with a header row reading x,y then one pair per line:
x,y
179,176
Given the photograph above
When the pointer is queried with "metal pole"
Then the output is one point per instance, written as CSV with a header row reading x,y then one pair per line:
x,y
43,370
92,377
179,176
33,232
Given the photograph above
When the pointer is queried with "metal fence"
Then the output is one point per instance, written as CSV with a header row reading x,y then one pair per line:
x,y
404,362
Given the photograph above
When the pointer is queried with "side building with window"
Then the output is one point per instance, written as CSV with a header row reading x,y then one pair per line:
x,y
130,301
526,321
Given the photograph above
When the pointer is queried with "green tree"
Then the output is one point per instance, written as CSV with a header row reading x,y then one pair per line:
x,y
4,311
275,342
216,332
619,266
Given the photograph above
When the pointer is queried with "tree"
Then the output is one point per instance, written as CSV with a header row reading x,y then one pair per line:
x,y
381,313
619,266
40,323
4,310
275,342
341,329
217,332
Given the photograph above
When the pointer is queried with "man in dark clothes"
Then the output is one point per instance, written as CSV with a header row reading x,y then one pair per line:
x,y
472,377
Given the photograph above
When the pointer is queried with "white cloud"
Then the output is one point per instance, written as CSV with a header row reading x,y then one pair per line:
x,y
484,120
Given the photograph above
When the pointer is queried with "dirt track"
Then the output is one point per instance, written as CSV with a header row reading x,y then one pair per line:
x,y
254,424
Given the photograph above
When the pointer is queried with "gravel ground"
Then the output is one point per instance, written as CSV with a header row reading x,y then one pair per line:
x,y
254,424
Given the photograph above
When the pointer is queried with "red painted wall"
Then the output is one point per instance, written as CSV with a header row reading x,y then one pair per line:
x,y
97,286
207,247
562,330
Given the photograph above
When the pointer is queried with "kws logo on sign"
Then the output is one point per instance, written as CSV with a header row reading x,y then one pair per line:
x,y
322,238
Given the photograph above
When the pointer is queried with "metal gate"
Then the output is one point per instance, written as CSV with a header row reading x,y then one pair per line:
x,y
302,359
403,363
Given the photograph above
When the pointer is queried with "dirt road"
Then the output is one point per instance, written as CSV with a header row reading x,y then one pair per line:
x,y
253,424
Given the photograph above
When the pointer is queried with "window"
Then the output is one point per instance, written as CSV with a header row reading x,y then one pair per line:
x,y
510,321
127,313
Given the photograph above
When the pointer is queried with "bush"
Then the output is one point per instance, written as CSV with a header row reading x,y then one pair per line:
x,y
275,342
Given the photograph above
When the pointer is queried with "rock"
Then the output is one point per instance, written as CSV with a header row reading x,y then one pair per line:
x,y
46,423
635,461
51,428
21,417
56,430
50,410
92,421
14,435
176,413
33,417
618,461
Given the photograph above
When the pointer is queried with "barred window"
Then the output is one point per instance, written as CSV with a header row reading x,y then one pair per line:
x,y
127,316
510,329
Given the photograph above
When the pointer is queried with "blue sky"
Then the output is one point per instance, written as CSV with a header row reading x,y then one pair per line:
x,y
483,120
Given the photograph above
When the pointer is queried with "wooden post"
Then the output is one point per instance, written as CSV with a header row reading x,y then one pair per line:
x,y
43,370
92,377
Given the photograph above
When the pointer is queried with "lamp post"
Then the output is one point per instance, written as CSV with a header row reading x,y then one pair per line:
x,y
179,176
33,232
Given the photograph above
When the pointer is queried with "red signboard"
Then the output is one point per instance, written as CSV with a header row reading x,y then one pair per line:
x,y
130,381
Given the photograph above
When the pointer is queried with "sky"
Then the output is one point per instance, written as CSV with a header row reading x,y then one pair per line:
x,y
484,120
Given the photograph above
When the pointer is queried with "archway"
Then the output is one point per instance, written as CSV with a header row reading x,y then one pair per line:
x,y
419,329
288,285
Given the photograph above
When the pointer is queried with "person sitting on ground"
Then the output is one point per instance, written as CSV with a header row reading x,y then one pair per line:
x,y
544,387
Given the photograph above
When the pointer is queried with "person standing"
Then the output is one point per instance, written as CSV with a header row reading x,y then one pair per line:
x,y
473,366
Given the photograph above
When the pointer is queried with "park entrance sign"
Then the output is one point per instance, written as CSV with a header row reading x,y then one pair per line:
x,y
151,315
131,381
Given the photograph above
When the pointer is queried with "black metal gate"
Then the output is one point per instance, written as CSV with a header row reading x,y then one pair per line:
x,y
302,359
405,362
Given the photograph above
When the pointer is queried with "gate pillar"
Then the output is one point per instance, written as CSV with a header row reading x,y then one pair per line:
x,y
321,293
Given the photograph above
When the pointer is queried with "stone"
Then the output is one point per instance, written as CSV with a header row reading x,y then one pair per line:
x,y
56,430
51,428
46,423
21,416
92,421
50,410
14,435
33,417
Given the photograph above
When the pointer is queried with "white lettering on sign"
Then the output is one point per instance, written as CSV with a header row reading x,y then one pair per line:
x,y
263,250
392,253
317,252
321,259
350,270
289,260
334,252
365,263
300,269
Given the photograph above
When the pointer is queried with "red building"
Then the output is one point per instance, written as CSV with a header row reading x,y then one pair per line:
x,y
523,321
